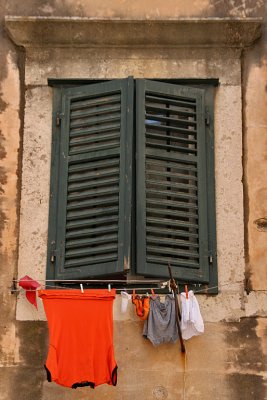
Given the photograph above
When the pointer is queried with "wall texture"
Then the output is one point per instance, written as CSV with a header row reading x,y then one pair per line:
x,y
230,359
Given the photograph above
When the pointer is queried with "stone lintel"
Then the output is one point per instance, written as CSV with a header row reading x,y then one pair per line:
x,y
92,32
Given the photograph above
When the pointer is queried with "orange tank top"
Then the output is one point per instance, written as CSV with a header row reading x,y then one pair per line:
x,y
80,337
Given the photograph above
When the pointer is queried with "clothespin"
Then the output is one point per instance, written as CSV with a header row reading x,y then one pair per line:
x,y
109,287
164,284
186,291
81,286
14,288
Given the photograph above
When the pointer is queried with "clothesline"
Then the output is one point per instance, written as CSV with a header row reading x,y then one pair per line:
x,y
85,282
203,291
131,281
71,288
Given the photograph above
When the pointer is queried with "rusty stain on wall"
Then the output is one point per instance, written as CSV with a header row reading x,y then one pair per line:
x,y
261,224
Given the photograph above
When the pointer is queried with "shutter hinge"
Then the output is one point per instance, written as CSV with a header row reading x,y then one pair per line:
x,y
207,117
210,258
53,252
59,117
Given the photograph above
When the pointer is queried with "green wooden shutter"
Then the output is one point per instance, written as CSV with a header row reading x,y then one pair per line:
x,y
171,187
92,232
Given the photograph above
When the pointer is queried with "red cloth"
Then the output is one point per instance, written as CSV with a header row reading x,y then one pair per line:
x,y
80,337
30,285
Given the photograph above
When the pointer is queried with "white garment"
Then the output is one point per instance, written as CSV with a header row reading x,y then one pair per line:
x,y
191,322
125,297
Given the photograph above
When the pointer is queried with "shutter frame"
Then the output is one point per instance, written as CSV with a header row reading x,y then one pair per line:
x,y
200,274
59,172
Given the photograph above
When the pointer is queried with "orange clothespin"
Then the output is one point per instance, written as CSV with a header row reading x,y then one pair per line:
x,y
186,291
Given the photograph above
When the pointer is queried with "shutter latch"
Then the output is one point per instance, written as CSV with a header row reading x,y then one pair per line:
x,y
53,252
59,117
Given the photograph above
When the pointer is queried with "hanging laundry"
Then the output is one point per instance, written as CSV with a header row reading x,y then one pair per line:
x,y
125,297
81,337
30,286
191,321
160,327
141,305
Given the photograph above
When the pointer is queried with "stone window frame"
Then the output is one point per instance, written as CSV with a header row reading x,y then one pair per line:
x,y
186,48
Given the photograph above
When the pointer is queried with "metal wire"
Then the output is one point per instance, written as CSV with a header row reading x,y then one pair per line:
x,y
164,285
132,281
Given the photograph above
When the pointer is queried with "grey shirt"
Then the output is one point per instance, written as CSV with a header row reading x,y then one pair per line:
x,y
160,327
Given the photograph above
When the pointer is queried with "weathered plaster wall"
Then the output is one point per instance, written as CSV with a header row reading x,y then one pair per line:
x,y
229,361
255,73
10,129
254,76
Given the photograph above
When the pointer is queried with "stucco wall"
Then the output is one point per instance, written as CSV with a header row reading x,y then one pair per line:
x,y
256,156
229,361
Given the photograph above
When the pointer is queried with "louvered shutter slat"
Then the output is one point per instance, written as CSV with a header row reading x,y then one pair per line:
x,y
91,131
171,181
99,101
78,243
93,232
169,232
76,205
171,129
